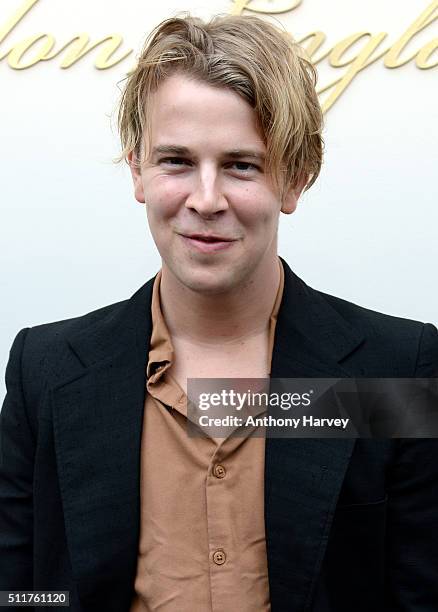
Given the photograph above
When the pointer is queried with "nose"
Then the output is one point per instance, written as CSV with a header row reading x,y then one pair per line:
x,y
206,196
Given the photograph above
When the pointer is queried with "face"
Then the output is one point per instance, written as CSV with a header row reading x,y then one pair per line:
x,y
212,211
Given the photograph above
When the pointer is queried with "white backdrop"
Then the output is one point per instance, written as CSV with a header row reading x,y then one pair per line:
x,y
73,238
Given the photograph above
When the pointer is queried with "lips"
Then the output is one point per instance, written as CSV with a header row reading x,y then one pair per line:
x,y
208,238
207,243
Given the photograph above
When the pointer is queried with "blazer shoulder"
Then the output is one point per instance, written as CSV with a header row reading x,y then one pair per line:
x,y
409,345
45,356
372,321
42,347
45,334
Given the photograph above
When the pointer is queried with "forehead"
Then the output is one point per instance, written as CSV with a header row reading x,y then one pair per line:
x,y
191,113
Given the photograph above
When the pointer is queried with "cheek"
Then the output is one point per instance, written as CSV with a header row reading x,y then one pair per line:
x,y
163,197
259,213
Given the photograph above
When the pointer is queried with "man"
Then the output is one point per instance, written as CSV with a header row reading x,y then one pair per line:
x,y
102,492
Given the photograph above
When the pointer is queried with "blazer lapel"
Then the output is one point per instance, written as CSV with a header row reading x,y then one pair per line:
x,y
97,415
303,477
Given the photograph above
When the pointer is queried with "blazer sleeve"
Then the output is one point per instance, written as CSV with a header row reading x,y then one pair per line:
x,y
17,450
427,360
412,519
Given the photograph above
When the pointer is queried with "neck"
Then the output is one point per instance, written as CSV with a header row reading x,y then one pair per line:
x,y
225,318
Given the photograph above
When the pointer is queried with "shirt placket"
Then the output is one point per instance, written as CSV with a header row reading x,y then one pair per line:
x,y
223,563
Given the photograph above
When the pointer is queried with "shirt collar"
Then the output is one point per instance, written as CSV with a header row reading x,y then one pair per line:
x,y
161,352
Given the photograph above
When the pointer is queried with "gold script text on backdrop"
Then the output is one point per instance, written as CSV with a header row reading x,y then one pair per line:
x,y
344,54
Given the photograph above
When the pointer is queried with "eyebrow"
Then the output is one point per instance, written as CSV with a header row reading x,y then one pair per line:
x,y
233,154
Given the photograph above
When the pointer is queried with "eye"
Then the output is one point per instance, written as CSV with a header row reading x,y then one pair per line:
x,y
244,167
173,161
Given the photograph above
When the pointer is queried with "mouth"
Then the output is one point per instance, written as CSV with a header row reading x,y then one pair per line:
x,y
207,243
208,238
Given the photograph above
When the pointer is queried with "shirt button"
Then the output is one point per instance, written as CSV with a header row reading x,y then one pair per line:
x,y
219,471
219,557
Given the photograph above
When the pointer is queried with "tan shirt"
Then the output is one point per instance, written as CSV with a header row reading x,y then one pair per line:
x,y
202,544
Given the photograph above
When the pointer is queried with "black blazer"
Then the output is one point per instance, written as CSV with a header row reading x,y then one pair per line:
x,y
350,525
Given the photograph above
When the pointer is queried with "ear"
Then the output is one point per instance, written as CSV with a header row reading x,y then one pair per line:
x,y
292,196
136,177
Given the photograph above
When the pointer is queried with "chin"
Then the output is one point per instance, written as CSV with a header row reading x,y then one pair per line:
x,y
205,287
207,282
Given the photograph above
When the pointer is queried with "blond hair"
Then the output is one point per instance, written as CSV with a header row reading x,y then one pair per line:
x,y
255,59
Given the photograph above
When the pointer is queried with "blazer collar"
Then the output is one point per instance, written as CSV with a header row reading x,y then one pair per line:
x,y
126,330
311,337
98,415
